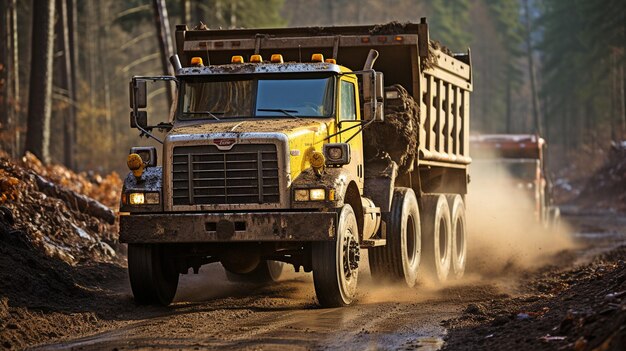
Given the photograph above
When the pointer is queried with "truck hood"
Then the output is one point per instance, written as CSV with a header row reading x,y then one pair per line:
x,y
290,127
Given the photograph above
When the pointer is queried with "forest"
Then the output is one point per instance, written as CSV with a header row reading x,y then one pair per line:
x,y
552,67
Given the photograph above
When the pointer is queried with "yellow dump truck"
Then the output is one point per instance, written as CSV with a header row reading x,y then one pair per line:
x,y
303,147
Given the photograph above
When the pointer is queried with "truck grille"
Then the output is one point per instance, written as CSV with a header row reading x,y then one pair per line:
x,y
245,174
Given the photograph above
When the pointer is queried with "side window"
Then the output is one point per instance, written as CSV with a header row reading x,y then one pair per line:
x,y
348,105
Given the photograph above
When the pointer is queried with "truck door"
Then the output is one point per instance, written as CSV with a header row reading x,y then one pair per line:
x,y
348,121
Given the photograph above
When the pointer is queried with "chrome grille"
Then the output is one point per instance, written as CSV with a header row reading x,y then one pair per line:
x,y
205,175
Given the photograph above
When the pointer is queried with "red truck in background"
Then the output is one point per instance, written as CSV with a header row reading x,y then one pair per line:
x,y
522,156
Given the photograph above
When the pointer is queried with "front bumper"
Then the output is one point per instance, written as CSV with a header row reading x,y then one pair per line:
x,y
227,227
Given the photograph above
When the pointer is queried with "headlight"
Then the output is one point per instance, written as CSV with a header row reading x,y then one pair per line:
x,y
153,198
317,194
136,198
334,153
144,198
302,195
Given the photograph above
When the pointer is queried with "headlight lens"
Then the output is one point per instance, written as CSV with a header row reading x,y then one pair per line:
x,y
302,195
136,198
317,194
335,153
153,198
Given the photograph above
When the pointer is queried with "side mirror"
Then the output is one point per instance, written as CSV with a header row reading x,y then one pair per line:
x,y
373,95
141,119
138,94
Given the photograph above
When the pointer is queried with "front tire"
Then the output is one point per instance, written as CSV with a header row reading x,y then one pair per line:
x,y
153,277
399,259
336,263
436,236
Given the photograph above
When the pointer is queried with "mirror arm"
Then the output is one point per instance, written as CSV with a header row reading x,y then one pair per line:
x,y
135,109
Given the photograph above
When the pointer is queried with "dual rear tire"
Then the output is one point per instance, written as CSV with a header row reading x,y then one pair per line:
x,y
398,261
445,236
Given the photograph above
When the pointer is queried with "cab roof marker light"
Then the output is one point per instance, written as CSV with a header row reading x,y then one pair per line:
x,y
277,58
331,61
197,61
317,58
236,59
256,59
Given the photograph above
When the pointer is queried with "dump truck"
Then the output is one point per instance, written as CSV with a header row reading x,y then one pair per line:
x,y
302,147
522,157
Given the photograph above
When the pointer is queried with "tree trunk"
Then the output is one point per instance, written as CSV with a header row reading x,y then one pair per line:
x,y
531,70
4,67
187,13
40,88
162,24
67,82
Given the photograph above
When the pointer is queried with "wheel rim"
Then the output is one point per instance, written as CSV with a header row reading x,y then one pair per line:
x,y
443,241
411,241
348,268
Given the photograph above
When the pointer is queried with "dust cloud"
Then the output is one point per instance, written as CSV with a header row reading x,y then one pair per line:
x,y
505,234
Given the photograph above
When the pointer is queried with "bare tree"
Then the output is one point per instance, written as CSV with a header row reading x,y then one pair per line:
x,y
40,87
531,70
165,41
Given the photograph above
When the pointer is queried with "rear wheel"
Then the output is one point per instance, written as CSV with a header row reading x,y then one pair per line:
x,y
459,234
153,277
336,263
399,259
436,236
266,272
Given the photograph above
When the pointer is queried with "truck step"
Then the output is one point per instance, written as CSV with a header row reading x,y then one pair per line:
x,y
374,242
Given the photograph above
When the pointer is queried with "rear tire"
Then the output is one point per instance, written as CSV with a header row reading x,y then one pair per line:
x,y
266,272
459,235
399,259
436,236
335,263
153,278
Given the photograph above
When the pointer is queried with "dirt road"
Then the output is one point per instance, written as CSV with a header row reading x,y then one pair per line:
x,y
213,313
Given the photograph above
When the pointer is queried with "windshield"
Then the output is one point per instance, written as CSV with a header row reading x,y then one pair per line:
x,y
307,97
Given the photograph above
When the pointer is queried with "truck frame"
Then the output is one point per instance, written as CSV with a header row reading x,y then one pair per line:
x,y
264,163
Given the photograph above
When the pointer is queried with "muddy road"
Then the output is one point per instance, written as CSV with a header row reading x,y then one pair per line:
x,y
210,312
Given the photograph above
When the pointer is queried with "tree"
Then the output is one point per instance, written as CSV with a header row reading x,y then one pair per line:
x,y
40,88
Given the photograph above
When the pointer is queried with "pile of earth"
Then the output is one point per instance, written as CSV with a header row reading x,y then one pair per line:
x,y
607,187
583,308
60,211
57,247
397,136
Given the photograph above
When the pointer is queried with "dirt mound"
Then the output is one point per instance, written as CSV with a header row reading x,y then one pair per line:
x,y
57,247
607,187
57,226
397,136
580,309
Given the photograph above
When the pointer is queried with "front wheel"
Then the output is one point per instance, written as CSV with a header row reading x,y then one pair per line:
x,y
153,277
336,263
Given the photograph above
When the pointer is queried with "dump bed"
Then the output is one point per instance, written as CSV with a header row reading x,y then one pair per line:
x,y
513,146
438,81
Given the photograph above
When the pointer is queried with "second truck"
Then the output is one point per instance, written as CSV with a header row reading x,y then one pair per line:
x,y
302,146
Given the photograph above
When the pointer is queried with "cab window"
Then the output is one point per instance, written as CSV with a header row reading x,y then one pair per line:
x,y
348,104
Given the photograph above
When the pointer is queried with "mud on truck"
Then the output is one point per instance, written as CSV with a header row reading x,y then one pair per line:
x,y
285,147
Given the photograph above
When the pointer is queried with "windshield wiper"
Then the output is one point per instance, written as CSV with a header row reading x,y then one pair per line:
x,y
286,112
203,113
